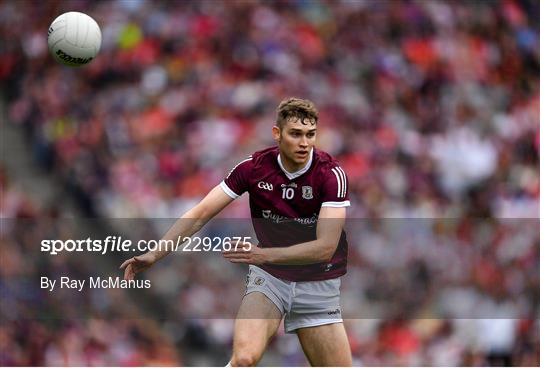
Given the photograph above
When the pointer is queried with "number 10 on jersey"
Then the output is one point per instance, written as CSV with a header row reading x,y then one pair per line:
x,y
287,193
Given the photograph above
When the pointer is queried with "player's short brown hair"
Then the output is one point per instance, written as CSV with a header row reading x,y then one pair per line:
x,y
296,108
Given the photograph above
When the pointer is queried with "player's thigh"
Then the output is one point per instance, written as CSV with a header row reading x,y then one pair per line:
x,y
257,321
326,345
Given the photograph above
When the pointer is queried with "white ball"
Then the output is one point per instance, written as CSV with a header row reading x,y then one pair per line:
x,y
74,39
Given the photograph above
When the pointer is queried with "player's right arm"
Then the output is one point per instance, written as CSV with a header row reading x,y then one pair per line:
x,y
187,225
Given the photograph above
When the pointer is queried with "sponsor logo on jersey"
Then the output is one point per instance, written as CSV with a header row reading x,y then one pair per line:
x,y
307,192
267,214
290,185
328,267
265,185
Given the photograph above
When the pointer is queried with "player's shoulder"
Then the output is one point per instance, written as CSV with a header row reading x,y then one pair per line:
x,y
325,162
256,160
332,180
265,156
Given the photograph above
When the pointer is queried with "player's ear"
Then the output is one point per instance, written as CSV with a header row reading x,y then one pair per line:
x,y
276,133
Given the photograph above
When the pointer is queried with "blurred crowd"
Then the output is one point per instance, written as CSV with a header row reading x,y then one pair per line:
x,y
75,329
431,107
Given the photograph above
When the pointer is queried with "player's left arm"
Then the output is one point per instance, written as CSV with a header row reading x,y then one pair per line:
x,y
329,228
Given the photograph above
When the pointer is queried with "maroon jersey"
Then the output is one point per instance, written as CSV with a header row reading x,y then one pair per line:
x,y
285,206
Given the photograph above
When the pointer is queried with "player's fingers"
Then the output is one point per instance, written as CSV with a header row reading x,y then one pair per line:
x,y
127,262
127,272
231,254
236,255
139,259
132,273
239,260
246,247
236,251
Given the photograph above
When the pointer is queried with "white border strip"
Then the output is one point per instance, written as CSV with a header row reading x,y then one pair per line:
x,y
338,177
344,177
228,190
336,204
238,164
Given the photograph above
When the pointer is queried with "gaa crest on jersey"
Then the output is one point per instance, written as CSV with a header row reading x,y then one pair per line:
x,y
307,192
264,185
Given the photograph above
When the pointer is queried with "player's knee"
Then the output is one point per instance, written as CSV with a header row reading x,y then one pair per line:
x,y
244,359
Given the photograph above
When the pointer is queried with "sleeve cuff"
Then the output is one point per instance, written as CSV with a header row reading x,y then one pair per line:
x,y
336,204
228,190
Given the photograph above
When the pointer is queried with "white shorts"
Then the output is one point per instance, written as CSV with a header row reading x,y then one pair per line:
x,y
304,304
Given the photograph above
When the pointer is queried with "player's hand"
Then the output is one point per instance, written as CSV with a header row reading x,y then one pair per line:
x,y
137,264
246,253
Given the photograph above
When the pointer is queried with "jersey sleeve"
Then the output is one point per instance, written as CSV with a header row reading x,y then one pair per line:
x,y
237,181
335,190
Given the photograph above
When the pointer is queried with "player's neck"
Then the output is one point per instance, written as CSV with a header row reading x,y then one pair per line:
x,y
290,166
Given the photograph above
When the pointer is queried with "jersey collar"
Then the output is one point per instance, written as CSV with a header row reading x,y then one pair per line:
x,y
295,174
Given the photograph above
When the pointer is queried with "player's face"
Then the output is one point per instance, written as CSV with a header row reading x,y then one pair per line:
x,y
295,141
